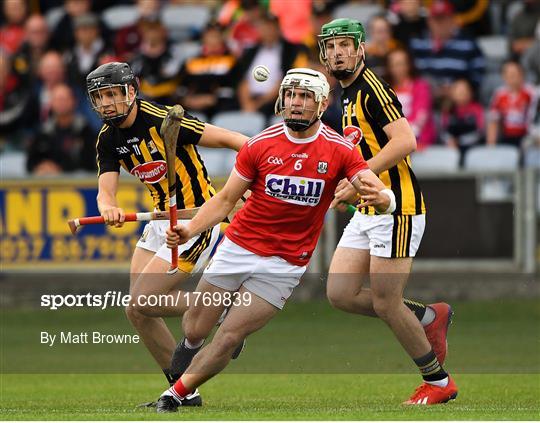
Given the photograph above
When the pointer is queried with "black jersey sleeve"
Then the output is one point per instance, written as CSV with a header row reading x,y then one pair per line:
x,y
191,130
107,158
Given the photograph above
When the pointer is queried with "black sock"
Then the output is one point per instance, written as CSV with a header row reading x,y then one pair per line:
x,y
430,368
417,308
171,377
182,357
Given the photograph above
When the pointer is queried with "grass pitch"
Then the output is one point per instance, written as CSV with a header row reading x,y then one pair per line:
x,y
310,363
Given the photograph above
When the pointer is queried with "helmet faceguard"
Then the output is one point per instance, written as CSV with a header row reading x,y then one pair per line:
x,y
302,79
340,28
108,92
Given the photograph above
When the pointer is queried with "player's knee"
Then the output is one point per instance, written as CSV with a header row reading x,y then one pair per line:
x,y
227,341
382,307
337,299
194,331
133,315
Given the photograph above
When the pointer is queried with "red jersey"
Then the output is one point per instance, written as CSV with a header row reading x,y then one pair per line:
x,y
512,108
292,185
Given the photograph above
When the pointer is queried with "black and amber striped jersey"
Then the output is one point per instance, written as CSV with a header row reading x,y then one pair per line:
x,y
140,150
370,104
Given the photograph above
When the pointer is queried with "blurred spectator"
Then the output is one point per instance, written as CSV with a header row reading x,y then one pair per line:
x,y
295,22
128,39
89,48
14,97
445,53
63,37
51,72
241,17
65,142
27,58
206,78
156,65
380,42
531,59
472,16
509,110
12,30
321,14
522,28
275,53
414,93
462,125
408,20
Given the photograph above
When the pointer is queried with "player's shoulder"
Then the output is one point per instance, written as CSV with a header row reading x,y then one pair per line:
x,y
374,82
334,139
267,135
152,108
106,131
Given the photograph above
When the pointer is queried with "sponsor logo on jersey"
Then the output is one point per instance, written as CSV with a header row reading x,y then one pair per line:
x,y
132,140
322,167
123,150
275,160
150,172
352,134
295,189
299,156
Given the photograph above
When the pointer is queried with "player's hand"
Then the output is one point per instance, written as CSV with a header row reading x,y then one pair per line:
x,y
371,196
345,194
113,216
180,235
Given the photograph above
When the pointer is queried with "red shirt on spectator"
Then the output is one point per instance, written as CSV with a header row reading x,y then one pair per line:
x,y
512,109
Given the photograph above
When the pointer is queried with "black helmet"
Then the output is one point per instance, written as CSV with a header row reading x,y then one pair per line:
x,y
110,75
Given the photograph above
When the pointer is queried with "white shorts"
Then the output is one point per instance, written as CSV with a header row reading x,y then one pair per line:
x,y
271,278
384,235
193,255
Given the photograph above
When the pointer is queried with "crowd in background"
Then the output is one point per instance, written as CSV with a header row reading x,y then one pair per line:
x,y
454,91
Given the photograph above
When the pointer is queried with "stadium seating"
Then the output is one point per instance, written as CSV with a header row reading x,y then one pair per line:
x,y
486,158
274,120
218,161
12,164
117,17
532,157
496,158
185,20
436,158
248,123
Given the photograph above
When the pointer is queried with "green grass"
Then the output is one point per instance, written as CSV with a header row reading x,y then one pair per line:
x,y
267,397
309,363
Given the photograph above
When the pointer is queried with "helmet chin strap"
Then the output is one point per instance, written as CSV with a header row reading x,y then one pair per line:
x,y
119,120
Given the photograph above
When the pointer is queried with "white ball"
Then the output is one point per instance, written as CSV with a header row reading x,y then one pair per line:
x,y
261,73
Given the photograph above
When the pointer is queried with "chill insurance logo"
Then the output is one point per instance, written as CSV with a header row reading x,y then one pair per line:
x,y
295,189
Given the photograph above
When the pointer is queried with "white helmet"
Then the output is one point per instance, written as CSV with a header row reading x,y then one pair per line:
x,y
307,79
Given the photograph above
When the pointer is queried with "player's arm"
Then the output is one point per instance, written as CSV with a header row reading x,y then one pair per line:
x,y
216,137
106,199
374,193
401,143
212,212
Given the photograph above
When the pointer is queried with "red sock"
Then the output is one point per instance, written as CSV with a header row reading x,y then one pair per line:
x,y
180,389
